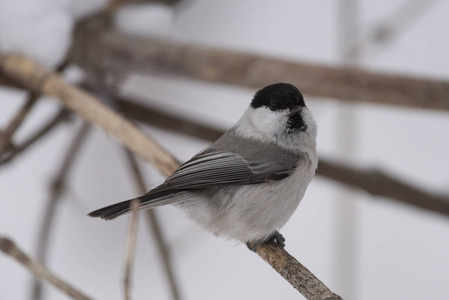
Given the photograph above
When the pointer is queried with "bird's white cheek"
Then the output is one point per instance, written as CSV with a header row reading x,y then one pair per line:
x,y
266,121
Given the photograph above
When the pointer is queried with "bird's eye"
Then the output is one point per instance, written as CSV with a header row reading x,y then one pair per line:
x,y
274,106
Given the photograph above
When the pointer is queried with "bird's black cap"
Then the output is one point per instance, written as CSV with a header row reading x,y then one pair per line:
x,y
278,96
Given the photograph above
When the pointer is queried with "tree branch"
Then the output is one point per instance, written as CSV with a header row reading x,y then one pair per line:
x,y
60,116
43,81
7,134
10,248
57,188
152,217
107,95
109,50
130,248
295,273
378,183
46,82
5,81
156,117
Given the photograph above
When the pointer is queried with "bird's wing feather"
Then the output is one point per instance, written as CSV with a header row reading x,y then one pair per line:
x,y
209,169
222,168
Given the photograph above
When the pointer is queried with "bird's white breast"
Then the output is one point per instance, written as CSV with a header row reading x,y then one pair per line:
x,y
252,212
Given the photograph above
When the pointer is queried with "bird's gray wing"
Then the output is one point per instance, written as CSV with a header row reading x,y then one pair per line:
x,y
211,169
223,168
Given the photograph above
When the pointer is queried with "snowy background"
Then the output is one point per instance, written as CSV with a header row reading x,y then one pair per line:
x,y
396,252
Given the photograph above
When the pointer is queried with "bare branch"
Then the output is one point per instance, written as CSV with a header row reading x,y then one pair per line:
x,y
295,273
130,247
374,181
151,214
113,5
107,95
121,53
152,217
156,117
47,221
43,81
7,134
51,124
378,183
8,247
7,82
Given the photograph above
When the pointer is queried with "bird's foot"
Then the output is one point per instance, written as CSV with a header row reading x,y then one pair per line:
x,y
275,238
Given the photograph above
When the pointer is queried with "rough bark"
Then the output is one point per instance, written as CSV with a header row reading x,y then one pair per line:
x,y
295,273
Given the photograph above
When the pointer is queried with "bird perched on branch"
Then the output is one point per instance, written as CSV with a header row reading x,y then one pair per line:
x,y
249,182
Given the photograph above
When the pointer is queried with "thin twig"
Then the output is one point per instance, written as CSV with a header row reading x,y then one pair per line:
x,y
57,188
43,81
8,247
7,134
390,27
51,124
107,96
152,217
110,50
130,248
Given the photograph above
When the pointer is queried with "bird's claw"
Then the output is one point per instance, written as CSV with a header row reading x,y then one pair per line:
x,y
275,238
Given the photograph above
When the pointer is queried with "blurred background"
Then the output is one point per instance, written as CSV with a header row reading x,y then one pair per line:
x,y
361,246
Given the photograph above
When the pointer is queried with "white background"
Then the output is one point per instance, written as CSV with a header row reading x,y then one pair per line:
x,y
400,252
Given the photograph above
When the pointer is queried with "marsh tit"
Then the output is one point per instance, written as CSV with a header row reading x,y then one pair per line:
x,y
247,184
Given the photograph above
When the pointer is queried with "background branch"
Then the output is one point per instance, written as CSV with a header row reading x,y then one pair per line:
x,y
107,95
43,81
7,134
156,117
98,48
7,82
379,183
130,248
8,247
51,124
152,217
57,188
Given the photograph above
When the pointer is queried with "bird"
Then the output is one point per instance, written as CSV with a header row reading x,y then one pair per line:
x,y
247,184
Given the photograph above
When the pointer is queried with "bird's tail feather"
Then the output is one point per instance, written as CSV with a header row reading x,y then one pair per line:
x,y
113,211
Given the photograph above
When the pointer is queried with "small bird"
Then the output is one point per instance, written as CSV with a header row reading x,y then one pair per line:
x,y
248,183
